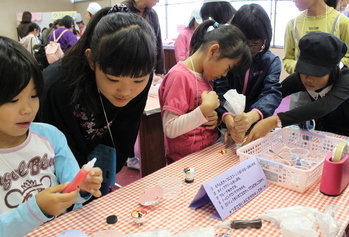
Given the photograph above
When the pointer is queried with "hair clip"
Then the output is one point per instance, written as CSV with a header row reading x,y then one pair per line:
x,y
121,8
214,26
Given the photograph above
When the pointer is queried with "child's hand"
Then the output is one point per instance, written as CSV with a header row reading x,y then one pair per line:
x,y
235,135
238,137
52,202
212,122
242,123
262,128
209,103
230,124
93,181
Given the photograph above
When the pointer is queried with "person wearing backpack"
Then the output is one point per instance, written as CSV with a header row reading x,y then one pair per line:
x,y
31,38
67,39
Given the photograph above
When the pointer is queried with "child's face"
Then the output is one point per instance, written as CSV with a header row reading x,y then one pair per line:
x,y
314,83
17,115
304,4
255,46
151,3
88,15
119,90
216,68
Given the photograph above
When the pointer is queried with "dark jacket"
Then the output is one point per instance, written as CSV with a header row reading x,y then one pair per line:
x,y
263,90
152,18
83,131
331,113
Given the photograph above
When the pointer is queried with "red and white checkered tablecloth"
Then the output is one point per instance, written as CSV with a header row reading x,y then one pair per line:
x,y
175,215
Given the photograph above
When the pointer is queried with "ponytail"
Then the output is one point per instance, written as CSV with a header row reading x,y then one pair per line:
x,y
231,40
198,37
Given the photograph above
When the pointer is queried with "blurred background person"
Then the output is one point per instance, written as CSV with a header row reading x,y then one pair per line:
x,y
92,9
344,7
182,43
45,34
68,39
80,23
31,38
22,28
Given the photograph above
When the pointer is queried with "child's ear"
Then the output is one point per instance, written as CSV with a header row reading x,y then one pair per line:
x,y
213,50
88,55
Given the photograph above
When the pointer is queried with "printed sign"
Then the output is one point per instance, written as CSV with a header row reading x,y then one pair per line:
x,y
232,189
60,15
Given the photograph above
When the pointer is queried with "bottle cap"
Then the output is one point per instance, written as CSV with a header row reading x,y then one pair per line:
x,y
112,219
90,164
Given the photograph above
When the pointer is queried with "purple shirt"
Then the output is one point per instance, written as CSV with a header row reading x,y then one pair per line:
x,y
67,40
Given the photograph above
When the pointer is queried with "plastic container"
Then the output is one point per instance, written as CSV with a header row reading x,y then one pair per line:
x,y
282,140
171,187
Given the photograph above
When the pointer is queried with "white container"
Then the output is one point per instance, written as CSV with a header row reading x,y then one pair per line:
x,y
282,140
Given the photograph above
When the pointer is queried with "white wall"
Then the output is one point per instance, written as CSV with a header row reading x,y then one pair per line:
x,y
9,9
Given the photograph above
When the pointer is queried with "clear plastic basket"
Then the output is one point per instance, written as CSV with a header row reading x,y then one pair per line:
x,y
281,140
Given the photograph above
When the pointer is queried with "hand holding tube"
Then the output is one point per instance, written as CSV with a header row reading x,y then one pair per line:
x,y
81,175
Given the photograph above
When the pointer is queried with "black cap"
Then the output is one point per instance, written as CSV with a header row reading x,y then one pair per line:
x,y
320,53
112,219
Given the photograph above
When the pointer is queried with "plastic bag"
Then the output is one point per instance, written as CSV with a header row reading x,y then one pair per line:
x,y
197,232
235,102
327,222
152,233
298,221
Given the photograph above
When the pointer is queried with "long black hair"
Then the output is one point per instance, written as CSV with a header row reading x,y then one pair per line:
x,y
221,12
122,44
232,42
26,17
17,68
254,21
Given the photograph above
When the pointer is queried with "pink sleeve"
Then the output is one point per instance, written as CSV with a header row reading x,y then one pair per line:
x,y
260,113
227,113
178,90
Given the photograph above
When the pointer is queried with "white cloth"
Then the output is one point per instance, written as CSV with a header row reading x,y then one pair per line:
x,y
93,8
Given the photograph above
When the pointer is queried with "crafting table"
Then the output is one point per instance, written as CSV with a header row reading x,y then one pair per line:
x,y
175,216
